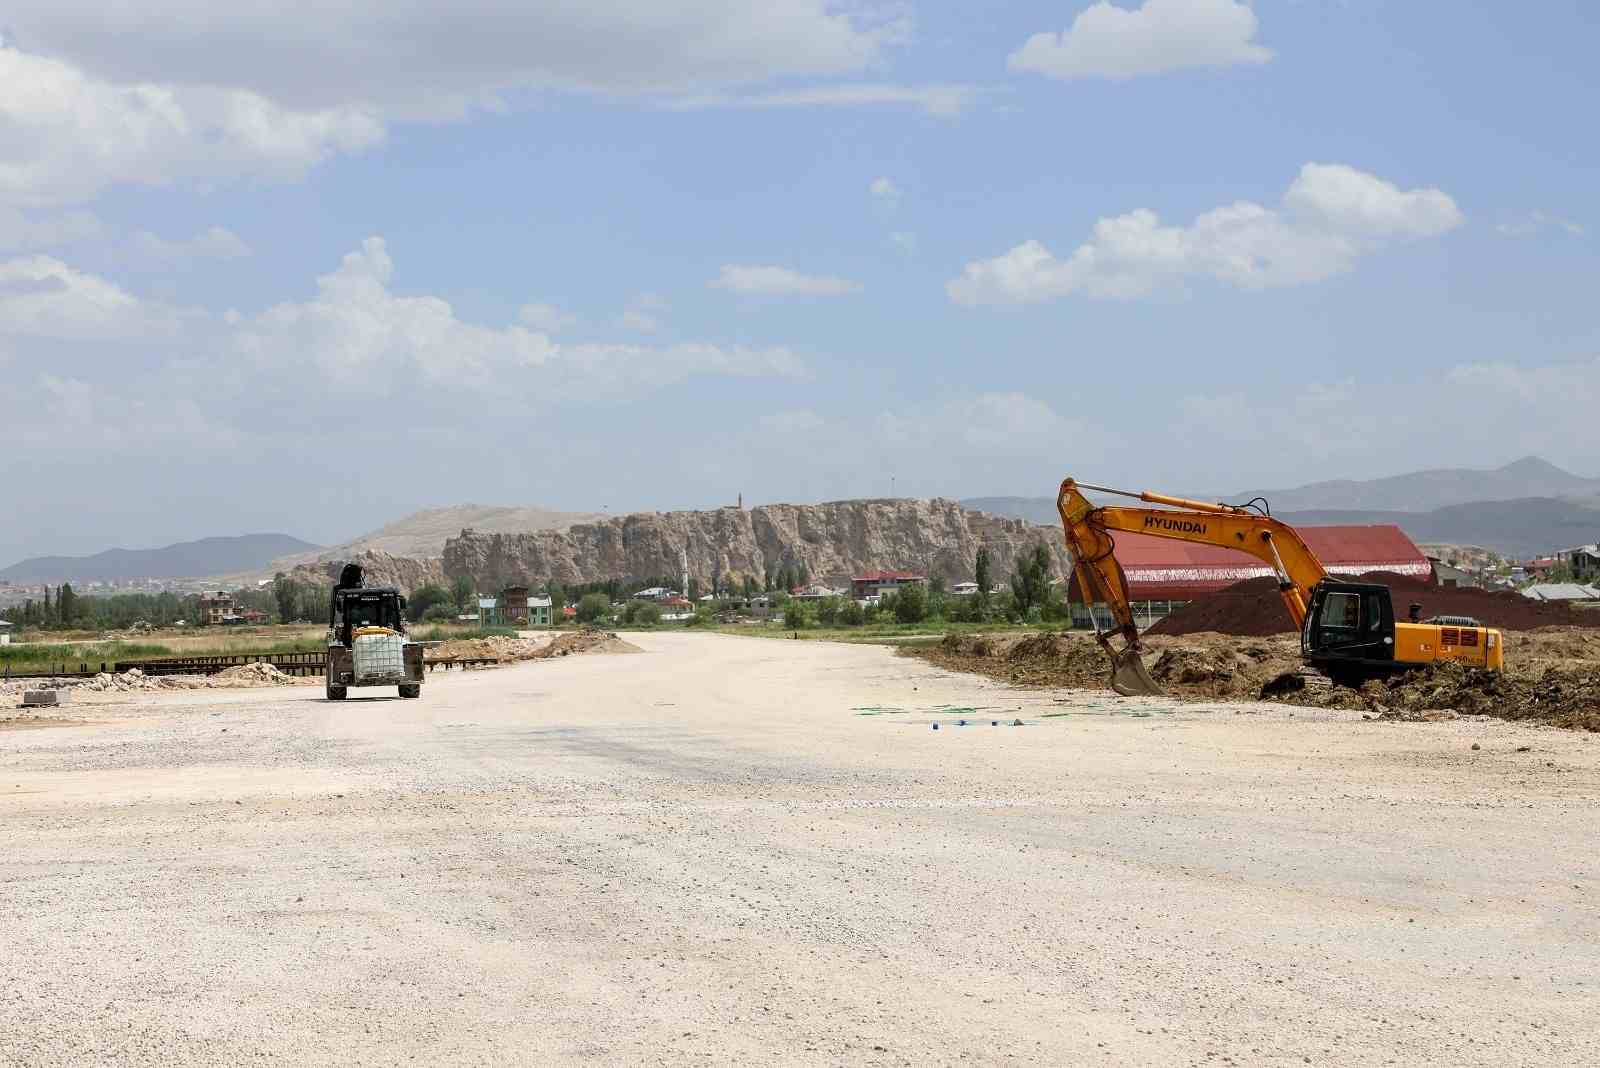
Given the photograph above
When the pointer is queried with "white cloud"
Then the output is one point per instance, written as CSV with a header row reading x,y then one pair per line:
x,y
883,187
942,101
358,336
1106,41
21,231
1544,410
642,313
1537,221
42,297
214,243
546,318
69,135
779,281
428,59
1330,216
904,240
640,322
992,442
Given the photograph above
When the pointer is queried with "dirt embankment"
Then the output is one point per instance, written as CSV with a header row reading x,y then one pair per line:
x,y
1552,675
1255,609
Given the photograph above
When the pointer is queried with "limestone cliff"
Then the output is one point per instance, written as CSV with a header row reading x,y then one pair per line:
x,y
381,569
834,541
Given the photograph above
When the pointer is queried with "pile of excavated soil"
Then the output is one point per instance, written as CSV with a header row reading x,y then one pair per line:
x,y
1254,608
248,675
585,641
1552,675
511,650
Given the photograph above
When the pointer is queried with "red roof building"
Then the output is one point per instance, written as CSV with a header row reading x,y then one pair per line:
x,y
1161,569
875,583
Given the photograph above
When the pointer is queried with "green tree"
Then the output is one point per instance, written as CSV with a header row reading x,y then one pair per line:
x,y
983,569
802,575
286,596
851,614
751,587
828,611
910,604
593,607
461,592
66,603
648,614
1031,579
794,615
425,599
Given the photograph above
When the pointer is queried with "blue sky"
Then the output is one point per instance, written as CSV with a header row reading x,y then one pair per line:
x,y
257,274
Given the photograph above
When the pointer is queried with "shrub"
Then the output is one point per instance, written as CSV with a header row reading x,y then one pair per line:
x,y
647,614
794,616
439,613
828,611
851,614
593,607
910,605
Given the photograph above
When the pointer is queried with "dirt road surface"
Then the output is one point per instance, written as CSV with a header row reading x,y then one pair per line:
x,y
736,850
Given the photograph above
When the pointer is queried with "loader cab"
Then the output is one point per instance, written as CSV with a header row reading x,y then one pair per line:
x,y
1349,625
366,606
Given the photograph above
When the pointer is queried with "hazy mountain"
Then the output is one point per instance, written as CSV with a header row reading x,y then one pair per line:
x,y
1424,491
422,534
1033,509
1519,529
189,559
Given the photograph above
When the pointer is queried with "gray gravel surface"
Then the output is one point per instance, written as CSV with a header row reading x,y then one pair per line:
x,y
731,850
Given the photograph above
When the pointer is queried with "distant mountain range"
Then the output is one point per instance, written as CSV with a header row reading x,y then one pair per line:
x,y
1424,491
188,559
1521,509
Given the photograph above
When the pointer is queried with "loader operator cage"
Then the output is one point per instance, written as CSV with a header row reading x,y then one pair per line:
x,y
366,608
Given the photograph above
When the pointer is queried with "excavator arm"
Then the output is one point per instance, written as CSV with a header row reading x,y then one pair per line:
x,y
1090,534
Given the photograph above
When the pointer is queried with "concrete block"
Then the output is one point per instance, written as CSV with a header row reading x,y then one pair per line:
x,y
43,697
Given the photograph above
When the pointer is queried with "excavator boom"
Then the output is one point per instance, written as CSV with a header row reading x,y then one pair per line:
x,y
1090,534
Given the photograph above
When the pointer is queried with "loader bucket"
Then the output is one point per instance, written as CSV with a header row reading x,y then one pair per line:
x,y
1129,677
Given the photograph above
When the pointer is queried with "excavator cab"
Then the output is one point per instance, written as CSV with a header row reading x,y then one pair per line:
x,y
1349,628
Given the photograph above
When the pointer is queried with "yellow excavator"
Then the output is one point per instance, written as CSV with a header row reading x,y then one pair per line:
x,y
1348,630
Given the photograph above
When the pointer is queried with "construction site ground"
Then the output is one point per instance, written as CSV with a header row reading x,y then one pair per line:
x,y
736,850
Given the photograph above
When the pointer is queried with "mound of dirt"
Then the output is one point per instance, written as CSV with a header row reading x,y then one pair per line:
x,y
512,650
1552,675
585,641
1254,608
249,675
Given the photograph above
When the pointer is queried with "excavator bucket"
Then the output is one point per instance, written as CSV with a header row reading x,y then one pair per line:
x,y
1129,677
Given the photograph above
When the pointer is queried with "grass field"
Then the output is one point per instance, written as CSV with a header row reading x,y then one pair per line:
x,y
35,656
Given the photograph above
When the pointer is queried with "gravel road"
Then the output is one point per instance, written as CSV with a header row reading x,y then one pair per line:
x,y
738,850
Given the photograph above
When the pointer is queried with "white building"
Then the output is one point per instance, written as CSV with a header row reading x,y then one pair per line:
x,y
5,632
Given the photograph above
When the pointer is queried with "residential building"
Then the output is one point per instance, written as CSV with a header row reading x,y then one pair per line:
x,y
489,611
963,589
875,584
216,608
540,611
817,591
1450,576
1584,560
514,604
5,632
655,593
677,608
